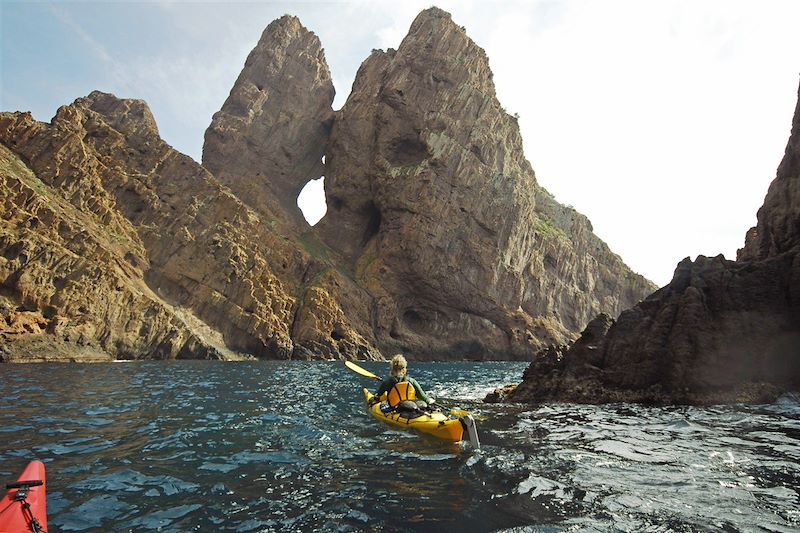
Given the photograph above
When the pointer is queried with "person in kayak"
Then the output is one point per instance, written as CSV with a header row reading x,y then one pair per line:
x,y
401,390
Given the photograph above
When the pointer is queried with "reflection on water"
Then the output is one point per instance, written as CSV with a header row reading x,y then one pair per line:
x,y
287,446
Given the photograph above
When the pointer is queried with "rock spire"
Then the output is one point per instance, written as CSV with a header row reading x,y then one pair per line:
x,y
433,204
269,138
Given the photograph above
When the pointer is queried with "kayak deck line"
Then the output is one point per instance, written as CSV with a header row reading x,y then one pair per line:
x,y
24,506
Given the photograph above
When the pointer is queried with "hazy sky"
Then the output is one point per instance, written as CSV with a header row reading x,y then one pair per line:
x,y
662,121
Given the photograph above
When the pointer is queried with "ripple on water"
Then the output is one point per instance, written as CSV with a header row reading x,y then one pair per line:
x,y
158,520
80,446
280,446
92,514
632,451
177,440
15,429
133,481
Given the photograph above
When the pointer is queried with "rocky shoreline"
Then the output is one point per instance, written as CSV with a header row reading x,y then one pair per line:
x,y
438,241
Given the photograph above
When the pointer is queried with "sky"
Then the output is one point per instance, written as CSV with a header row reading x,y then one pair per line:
x,y
662,121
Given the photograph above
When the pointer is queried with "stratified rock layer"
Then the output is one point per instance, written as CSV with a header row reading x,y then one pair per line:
x,y
126,246
721,331
432,202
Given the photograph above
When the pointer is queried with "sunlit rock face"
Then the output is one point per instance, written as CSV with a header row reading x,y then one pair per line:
x,y
114,245
438,240
269,138
435,208
720,331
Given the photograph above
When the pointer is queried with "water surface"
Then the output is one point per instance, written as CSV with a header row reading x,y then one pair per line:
x,y
288,446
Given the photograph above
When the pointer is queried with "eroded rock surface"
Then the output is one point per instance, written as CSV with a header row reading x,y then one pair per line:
x,y
268,139
438,240
433,204
127,246
721,331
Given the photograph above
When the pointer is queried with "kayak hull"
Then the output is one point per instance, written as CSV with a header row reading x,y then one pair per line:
x,y
13,516
436,424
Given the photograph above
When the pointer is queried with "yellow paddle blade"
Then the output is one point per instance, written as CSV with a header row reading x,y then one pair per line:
x,y
361,371
458,412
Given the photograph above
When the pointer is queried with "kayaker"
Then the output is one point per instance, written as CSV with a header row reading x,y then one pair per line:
x,y
401,390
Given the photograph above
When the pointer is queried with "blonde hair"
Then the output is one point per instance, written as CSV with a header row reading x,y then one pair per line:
x,y
398,365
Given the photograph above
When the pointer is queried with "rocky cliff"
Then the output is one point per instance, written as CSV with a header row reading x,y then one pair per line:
x,y
438,239
121,247
433,204
268,139
721,331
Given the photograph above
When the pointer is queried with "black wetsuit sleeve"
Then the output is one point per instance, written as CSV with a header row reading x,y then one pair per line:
x,y
386,386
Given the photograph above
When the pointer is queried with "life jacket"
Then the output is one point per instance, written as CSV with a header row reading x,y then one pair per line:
x,y
402,391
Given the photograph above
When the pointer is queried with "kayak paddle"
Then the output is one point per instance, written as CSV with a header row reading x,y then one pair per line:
x,y
361,371
459,412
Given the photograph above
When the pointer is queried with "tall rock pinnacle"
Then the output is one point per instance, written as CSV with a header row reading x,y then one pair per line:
x,y
778,228
432,200
438,239
269,138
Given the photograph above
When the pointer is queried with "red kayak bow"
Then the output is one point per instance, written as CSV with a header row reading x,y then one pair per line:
x,y
24,507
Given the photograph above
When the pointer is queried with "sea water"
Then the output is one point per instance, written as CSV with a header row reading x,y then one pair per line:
x,y
288,446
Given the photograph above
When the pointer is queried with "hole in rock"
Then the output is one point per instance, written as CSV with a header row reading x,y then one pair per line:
x,y
373,223
311,200
130,200
14,250
471,350
335,335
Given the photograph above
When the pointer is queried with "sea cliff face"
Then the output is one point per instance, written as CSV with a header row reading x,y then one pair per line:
x,y
720,331
438,239
433,203
130,249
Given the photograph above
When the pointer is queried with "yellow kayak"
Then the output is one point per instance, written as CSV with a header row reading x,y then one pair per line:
x,y
435,424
